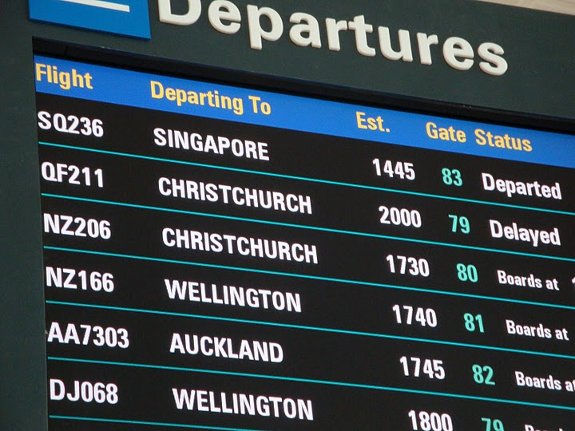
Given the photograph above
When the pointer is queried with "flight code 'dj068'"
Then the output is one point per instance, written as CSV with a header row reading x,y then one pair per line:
x,y
84,392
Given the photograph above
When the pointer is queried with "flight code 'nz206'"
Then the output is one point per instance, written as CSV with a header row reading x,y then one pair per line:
x,y
77,226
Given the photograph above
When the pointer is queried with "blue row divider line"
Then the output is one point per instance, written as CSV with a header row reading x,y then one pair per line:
x,y
308,277
147,423
311,328
309,227
307,179
319,382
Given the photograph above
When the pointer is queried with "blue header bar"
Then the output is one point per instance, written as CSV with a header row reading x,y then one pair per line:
x,y
183,96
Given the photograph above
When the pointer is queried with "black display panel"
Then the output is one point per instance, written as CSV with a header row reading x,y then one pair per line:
x,y
225,258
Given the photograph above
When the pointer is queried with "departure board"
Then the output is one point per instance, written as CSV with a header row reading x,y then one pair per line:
x,y
224,258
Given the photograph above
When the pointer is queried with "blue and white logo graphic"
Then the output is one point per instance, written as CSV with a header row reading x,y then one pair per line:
x,y
127,17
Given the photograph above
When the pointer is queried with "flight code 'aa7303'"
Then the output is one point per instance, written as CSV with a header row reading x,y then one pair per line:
x,y
88,335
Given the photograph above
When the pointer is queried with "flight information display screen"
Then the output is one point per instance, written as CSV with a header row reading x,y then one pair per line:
x,y
225,258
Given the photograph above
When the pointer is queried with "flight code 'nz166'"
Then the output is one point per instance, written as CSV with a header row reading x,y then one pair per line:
x,y
69,278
